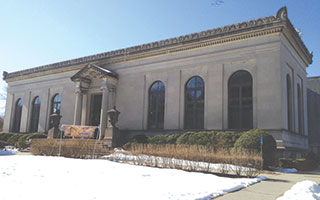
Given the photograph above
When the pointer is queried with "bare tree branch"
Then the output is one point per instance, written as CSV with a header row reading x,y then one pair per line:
x,y
3,93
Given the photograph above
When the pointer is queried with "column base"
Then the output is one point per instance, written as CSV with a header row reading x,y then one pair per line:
x,y
53,133
111,137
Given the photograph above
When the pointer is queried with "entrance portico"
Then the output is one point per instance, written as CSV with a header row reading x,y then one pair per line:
x,y
108,82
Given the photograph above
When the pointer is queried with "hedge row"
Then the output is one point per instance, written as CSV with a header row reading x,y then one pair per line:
x,y
17,139
205,138
249,140
302,164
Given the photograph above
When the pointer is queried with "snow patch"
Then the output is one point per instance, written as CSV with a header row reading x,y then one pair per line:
x,y
6,153
292,170
65,178
120,155
306,190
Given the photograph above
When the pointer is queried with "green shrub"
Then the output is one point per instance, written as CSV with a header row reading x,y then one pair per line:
x,y
14,139
139,139
159,139
227,139
305,164
206,138
164,139
302,164
172,139
36,136
3,144
250,140
286,163
6,136
24,137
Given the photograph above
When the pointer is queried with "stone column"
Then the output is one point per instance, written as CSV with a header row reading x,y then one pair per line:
x,y
112,95
78,105
104,108
84,109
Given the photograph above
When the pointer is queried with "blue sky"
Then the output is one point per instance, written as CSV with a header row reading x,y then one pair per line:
x,y
39,32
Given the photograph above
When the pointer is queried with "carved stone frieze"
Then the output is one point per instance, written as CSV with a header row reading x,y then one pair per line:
x,y
92,72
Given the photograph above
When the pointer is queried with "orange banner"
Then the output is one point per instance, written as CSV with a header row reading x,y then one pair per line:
x,y
79,131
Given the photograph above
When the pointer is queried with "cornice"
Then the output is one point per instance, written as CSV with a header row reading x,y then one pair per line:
x,y
225,34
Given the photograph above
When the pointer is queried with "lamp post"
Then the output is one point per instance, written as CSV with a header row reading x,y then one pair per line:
x,y
113,115
112,133
55,121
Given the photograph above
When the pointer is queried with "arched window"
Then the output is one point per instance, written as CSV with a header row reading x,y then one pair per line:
x,y
17,116
300,110
289,103
240,115
194,103
56,104
35,114
156,105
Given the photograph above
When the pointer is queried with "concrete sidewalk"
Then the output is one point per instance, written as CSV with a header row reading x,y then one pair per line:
x,y
273,187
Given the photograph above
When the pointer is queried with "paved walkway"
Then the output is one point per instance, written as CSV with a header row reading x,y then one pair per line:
x,y
273,187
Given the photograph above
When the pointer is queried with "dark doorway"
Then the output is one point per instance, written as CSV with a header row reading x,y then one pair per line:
x,y
95,109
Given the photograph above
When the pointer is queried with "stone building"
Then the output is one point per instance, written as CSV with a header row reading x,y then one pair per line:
x,y
313,96
238,77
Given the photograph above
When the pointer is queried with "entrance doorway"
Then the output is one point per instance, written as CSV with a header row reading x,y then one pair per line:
x,y
95,109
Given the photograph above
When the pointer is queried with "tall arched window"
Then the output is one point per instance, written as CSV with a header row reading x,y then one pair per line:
x,y
240,114
156,105
289,103
300,110
17,116
56,104
194,103
35,112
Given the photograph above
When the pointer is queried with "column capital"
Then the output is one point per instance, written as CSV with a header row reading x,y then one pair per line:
x,y
80,90
111,88
104,85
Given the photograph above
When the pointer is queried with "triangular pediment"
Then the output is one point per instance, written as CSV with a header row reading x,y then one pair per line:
x,y
91,72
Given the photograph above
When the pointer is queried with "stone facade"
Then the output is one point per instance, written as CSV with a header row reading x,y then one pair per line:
x,y
269,49
313,92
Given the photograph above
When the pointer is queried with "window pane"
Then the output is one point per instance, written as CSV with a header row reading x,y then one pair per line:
x,y
35,115
156,105
194,103
289,103
17,116
191,83
56,104
240,115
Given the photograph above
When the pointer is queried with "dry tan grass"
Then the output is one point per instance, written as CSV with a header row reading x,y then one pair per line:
x,y
74,148
249,159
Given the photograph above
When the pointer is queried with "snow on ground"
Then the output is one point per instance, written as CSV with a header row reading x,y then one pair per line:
x,y
5,153
292,170
39,177
121,155
304,190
